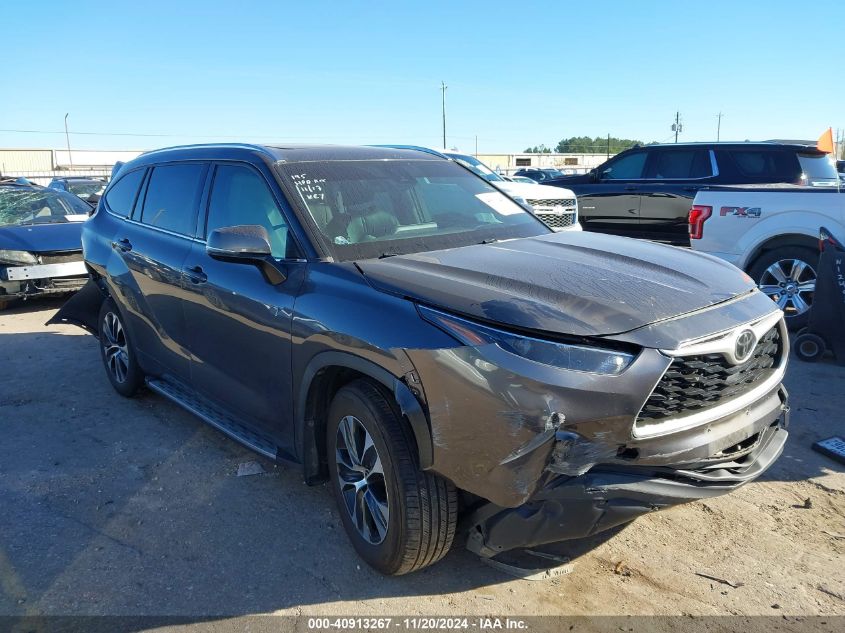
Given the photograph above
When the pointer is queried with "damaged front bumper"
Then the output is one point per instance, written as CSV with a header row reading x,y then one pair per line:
x,y
606,496
22,282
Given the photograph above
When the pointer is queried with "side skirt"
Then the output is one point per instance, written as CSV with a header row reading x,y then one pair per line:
x,y
211,414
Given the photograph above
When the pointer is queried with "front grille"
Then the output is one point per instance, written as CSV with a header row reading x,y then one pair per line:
x,y
554,202
61,258
557,221
695,383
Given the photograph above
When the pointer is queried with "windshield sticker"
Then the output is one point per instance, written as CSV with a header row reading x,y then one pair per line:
x,y
311,189
499,203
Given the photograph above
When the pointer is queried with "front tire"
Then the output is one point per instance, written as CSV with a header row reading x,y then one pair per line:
x,y
399,518
117,351
788,276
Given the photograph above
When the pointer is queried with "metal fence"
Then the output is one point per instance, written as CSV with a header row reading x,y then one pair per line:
x,y
44,177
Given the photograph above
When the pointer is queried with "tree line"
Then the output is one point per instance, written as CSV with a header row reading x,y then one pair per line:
x,y
587,145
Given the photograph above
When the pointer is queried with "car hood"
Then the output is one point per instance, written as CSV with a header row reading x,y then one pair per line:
x,y
533,192
42,238
583,284
574,179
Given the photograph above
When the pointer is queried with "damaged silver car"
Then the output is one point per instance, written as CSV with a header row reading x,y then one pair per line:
x,y
410,334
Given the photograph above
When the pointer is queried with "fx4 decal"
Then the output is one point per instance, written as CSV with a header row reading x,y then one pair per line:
x,y
743,212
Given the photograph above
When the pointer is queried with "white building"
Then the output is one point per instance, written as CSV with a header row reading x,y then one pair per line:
x,y
41,165
567,163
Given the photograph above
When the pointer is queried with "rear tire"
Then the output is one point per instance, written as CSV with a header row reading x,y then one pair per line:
x,y
788,269
810,347
5,303
399,518
117,352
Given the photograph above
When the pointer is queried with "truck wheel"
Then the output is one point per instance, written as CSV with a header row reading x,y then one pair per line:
x,y
810,347
117,352
399,518
4,303
788,276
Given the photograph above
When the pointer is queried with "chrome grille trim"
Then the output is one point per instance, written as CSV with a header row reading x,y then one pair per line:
x,y
719,343
552,202
556,221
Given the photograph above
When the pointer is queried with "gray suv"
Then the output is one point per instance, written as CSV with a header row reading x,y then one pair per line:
x,y
405,331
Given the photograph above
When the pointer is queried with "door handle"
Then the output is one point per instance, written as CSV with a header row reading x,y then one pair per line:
x,y
196,274
630,187
123,245
691,188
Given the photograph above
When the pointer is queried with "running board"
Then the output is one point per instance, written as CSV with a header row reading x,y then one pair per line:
x,y
213,416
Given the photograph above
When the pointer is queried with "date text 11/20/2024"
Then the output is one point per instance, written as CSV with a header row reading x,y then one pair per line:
x,y
418,623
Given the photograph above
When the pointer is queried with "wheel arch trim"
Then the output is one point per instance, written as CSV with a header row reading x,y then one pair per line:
x,y
793,238
306,432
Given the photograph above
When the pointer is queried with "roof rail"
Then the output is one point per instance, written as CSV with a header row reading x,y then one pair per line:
x,y
418,148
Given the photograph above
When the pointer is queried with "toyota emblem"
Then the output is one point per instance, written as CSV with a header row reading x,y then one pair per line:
x,y
744,345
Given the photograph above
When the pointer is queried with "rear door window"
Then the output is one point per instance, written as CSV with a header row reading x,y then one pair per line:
x,y
629,167
121,196
680,164
171,199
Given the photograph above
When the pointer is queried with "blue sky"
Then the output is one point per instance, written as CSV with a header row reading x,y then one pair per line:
x,y
518,74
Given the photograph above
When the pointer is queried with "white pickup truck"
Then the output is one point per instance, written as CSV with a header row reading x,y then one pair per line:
x,y
772,233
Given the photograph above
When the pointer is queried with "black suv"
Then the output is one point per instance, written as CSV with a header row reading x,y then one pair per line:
x,y
539,175
405,331
647,191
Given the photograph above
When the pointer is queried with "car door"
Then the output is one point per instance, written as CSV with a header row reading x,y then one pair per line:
x,y
238,319
153,245
672,178
612,203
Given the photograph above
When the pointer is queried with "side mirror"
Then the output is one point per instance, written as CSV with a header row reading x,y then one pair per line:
x,y
246,243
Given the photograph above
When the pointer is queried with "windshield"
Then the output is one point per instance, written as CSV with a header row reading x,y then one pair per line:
x,y
85,189
373,208
476,166
24,205
818,170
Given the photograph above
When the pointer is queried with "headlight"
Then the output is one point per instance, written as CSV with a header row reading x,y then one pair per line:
x,y
17,257
523,203
592,360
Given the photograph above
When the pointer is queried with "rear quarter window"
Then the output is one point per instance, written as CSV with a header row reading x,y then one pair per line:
x,y
766,165
121,196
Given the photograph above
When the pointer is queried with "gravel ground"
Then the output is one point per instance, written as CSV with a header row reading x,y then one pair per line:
x,y
134,507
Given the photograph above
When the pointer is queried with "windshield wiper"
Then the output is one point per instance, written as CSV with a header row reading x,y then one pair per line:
x,y
491,240
384,255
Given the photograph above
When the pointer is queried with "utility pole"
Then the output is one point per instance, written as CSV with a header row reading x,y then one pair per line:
x,y
719,126
677,126
476,145
67,138
608,146
443,90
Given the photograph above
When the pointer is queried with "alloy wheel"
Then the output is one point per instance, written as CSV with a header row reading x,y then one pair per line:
x,y
361,477
115,348
791,283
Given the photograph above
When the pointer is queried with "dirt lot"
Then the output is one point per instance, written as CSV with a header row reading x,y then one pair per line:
x,y
133,507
